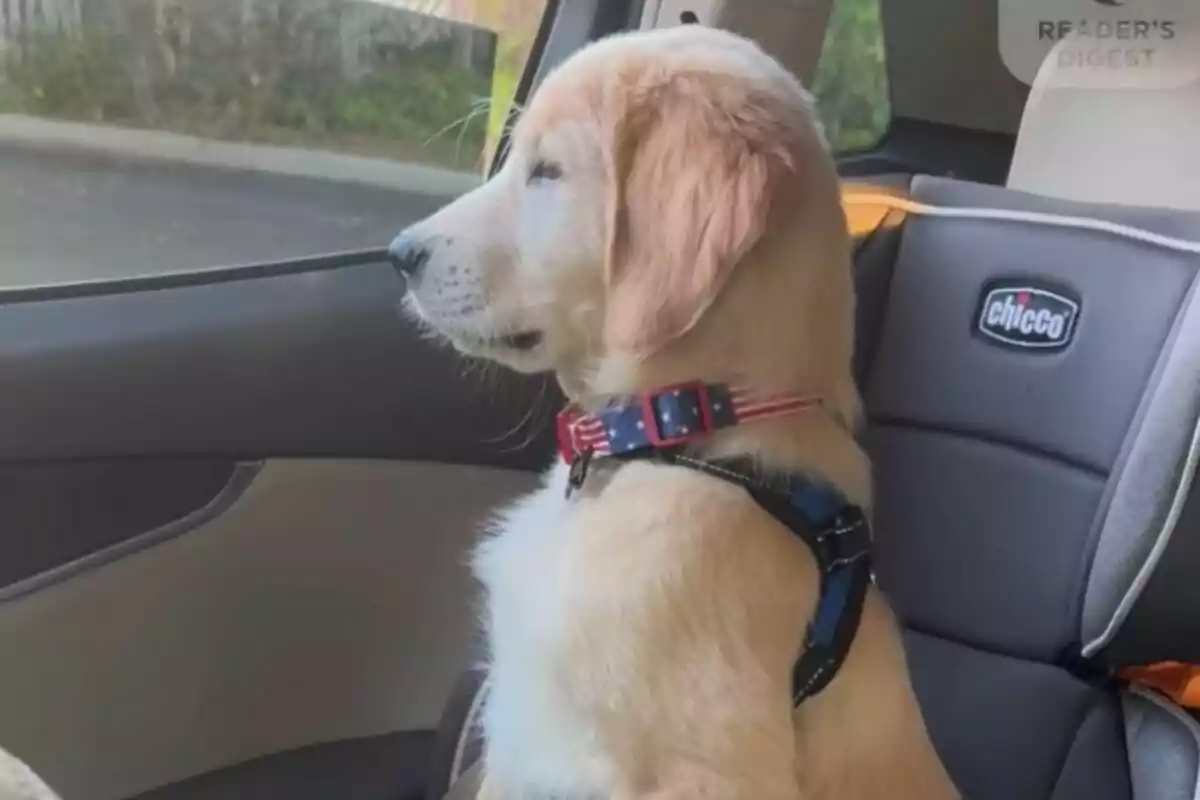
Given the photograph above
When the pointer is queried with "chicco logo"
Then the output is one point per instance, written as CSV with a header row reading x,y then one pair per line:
x,y
1028,317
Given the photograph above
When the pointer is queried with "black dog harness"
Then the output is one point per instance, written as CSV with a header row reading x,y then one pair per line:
x,y
661,425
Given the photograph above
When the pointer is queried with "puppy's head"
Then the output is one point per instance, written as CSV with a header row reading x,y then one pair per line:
x,y
649,172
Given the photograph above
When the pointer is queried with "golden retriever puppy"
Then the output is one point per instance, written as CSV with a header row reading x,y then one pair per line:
x,y
669,213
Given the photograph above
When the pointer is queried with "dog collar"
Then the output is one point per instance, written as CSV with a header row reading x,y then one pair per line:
x,y
670,417
657,427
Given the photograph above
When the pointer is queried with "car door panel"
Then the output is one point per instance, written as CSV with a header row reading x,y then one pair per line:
x,y
277,360
60,516
328,599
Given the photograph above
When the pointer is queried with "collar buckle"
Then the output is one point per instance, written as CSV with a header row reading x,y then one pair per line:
x,y
654,425
578,472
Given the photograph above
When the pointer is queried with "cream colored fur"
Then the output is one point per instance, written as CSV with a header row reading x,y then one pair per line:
x,y
18,782
669,212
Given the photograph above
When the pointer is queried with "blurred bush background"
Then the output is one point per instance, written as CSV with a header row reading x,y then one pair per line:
x,y
416,81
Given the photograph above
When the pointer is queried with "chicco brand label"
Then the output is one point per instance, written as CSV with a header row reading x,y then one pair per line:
x,y
1028,316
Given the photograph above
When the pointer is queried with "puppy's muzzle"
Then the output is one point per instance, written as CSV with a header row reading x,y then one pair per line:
x,y
409,256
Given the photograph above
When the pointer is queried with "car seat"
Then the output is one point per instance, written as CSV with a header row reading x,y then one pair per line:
x,y
1035,527
1025,495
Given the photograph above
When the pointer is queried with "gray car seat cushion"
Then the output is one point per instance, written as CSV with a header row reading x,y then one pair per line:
x,y
1148,508
1164,747
1012,451
1012,486
1008,728
1156,474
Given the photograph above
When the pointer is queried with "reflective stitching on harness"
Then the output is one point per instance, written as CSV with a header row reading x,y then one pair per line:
x,y
707,466
841,562
841,530
832,653
838,531
801,694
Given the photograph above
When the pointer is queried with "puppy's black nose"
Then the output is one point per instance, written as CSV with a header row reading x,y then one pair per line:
x,y
408,255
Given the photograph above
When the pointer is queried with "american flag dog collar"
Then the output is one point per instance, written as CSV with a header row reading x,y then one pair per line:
x,y
671,417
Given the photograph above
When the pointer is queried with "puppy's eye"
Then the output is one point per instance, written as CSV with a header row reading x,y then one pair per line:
x,y
545,170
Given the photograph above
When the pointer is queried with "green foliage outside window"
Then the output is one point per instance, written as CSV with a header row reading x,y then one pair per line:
x,y
280,75
851,81
332,74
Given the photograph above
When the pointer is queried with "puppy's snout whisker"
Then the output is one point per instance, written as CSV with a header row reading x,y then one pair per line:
x,y
409,256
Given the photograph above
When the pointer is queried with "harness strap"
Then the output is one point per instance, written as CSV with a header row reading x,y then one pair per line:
x,y
660,425
838,536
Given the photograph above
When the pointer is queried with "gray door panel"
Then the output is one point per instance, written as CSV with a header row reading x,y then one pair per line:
x,y
60,513
305,359
127,409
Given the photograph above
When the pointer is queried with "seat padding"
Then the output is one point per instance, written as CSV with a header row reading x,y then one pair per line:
x,y
1075,407
1009,728
979,541
996,468
997,464
1164,747
1143,600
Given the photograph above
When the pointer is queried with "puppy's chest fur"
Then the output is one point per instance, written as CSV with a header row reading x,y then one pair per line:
x,y
541,742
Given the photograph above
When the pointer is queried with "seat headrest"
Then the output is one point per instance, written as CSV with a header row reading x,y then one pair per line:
x,y
1124,136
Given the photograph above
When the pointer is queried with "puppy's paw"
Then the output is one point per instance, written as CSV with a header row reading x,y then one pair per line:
x,y
19,782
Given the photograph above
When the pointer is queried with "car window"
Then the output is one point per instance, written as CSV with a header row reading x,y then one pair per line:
x,y
143,136
850,84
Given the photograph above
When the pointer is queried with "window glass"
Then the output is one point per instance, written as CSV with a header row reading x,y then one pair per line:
x,y
141,136
851,80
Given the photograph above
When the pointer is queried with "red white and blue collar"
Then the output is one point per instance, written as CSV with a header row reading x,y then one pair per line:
x,y
670,417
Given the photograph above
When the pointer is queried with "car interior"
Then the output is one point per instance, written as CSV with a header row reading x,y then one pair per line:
x,y
235,504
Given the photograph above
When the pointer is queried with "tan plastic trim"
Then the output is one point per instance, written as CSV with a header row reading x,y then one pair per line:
x,y
331,601
1124,143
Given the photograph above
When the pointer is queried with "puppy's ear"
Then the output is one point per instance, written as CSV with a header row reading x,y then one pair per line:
x,y
699,163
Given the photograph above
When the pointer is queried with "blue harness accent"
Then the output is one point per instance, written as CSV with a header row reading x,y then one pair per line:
x,y
834,530
838,537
